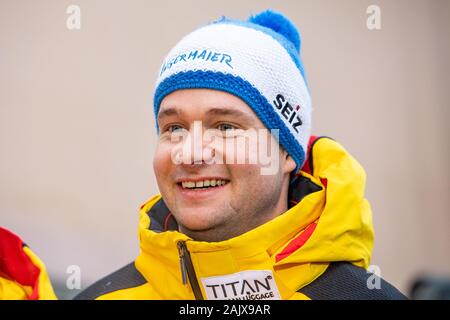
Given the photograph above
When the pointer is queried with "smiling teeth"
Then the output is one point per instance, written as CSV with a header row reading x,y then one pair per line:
x,y
203,184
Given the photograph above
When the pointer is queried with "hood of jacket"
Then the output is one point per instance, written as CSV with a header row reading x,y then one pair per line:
x,y
329,220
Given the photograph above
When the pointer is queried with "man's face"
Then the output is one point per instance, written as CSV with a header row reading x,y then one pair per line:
x,y
238,198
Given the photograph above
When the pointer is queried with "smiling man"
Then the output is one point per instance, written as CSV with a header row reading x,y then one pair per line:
x,y
214,198
222,227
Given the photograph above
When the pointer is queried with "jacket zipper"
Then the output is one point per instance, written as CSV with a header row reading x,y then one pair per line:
x,y
187,270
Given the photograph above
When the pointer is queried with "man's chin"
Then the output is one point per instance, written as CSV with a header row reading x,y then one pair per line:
x,y
197,219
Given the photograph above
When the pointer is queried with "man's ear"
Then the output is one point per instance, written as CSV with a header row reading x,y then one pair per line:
x,y
289,163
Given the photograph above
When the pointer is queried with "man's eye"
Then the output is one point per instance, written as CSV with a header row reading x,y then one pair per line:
x,y
174,128
225,127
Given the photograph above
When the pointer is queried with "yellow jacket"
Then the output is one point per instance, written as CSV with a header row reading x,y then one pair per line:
x,y
22,275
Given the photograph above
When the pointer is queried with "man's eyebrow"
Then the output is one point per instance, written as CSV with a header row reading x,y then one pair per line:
x,y
229,112
168,112
174,111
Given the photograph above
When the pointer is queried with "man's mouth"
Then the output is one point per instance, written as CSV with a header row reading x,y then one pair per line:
x,y
203,184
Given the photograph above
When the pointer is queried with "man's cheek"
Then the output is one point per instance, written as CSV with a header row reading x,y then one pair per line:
x,y
162,157
242,177
157,164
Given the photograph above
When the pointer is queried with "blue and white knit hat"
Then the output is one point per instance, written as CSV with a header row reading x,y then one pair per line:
x,y
258,61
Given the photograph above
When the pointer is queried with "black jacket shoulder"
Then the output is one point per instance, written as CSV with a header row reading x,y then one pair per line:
x,y
345,281
124,278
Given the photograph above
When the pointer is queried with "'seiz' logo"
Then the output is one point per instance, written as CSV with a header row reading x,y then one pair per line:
x,y
288,112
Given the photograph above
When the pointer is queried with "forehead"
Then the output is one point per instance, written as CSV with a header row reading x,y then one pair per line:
x,y
203,101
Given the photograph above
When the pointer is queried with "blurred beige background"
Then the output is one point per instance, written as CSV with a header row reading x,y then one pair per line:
x,y
77,132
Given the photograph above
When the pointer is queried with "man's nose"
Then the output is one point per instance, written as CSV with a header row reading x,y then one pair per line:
x,y
195,148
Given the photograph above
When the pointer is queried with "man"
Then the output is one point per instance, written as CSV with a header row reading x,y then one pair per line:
x,y
223,228
251,206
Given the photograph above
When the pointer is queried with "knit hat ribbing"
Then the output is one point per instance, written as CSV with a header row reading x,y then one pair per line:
x,y
258,61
